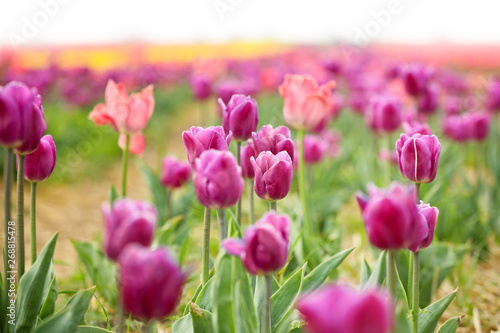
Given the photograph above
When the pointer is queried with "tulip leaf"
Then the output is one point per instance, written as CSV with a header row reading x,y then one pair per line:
x,y
378,274
204,298
157,190
260,293
319,274
183,325
113,194
223,319
366,271
49,304
201,319
91,329
67,320
31,288
450,326
429,317
246,317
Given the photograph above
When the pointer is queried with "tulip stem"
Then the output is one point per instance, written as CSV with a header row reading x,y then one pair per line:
x,y
415,291
119,308
273,206
149,327
221,217
33,222
20,216
124,165
417,192
266,315
302,181
7,186
391,273
238,205
168,205
250,198
206,245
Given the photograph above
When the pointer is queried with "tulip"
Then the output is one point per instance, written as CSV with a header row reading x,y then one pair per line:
x,y
456,128
127,222
478,124
197,140
418,157
337,308
452,105
415,78
415,127
426,226
150,282
240,116
493,97
306,103
174,173
428,100
331,140
201,87
386,155
384,114
40,163
273,175
247,152
274,140
314,150
136,144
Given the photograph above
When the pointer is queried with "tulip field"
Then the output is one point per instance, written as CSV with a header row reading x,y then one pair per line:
x,y
301,191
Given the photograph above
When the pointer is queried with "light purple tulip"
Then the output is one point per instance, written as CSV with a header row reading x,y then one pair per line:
x,y
426,226
247,152
201,86
199,139
240,116
415,127
274,140
265,246
174,173
150,282
456,128
273,175
340,309
415,78
127,222
217,179
384,114
39,165
418,157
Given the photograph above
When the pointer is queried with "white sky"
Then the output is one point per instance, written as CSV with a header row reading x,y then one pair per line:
x,y
191,21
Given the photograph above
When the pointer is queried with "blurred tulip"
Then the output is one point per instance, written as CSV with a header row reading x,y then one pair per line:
x,y
217,179
127,222
240,116
265,246
415,127
428,100
39,164
493,97
247,152
386,155
456,128
418,157
415,78
273,175
226,89
340,309
331,140
426,226
201,86
478,123
384,114
174,173
150,282
274,140
314,150
452,105
199,139
137,143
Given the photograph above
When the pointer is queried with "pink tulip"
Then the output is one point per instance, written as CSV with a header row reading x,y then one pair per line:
x,y
39,164
199,139
478,123
201,86
386,155
137,143
247,152
427,225
384,114
314,150
274,140
428,100
331,140
418,157
415,78
415,127
273,175
493,97
240,116
174,173
456,128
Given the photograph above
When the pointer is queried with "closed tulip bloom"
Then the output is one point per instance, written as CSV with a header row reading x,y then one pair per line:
x,y
273,175
174,173
479,124
314,149
264,248
418,157
240,116
426,224
415,127
415,78
274,140
306,103
428,100
340,309
493,97
199,139
456,127
217,179
384,114
137,143
201,86
150,282
247,152
127,222
39,165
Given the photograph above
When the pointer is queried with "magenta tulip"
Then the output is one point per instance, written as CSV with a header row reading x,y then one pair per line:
x,y
456,128
247,152
384,114
240,116
425,226
415,78
201,86
274,140
127,222
418,157
493,97
39,165
428,100
314,149
174,173
265,246
478,123
273,175
199,139
415,127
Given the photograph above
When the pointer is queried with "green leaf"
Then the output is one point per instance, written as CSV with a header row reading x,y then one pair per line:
x,y
429,317
91,329
157,190
67,320
246,318
49,304
314,279
31,288
183,325
205,297
451,325
113,194
378,275
223,319
201,319
366,271
259,293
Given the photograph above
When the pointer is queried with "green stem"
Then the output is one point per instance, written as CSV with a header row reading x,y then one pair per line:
x,y
302,182
206,245
119,308
124,165
410,277
415,291
168,206
221,217
417,192
20,216
391,272
7,183
238,205
250,198
272,206
149,327
33,222
266,314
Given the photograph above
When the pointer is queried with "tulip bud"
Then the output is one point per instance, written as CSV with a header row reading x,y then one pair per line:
x,y
414,78
425,225
265,247
415,127
247,152
150,282
418,157
201,87
174,173
127,222
274,140
217,179
240,116
273,175
199,139
336,308
384,114
39,165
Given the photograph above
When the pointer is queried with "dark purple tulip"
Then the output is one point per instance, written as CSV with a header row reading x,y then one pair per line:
x,y
493,97
384,114
478,123
414,78
39,164
240,116
247,152
418,157
265,247
416,127
340,309
274,140
456,128
199,139
150,282
426,226
217,179
174,173
428,100
201,86
127,222
273,175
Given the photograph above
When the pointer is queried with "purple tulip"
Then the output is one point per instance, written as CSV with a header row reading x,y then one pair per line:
x,y
456,128
415,127
314,150
493,97
426,226
452,105
273,175
247,152
478,123
384,114
340,309
217,179
240,116
274,140
227,89
201,87
199,139
428,100
174,173
127,222
39,165
265,246
418,157
150,282
415,78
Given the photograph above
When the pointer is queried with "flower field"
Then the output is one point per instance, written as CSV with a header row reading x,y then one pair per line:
x,y
250,188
